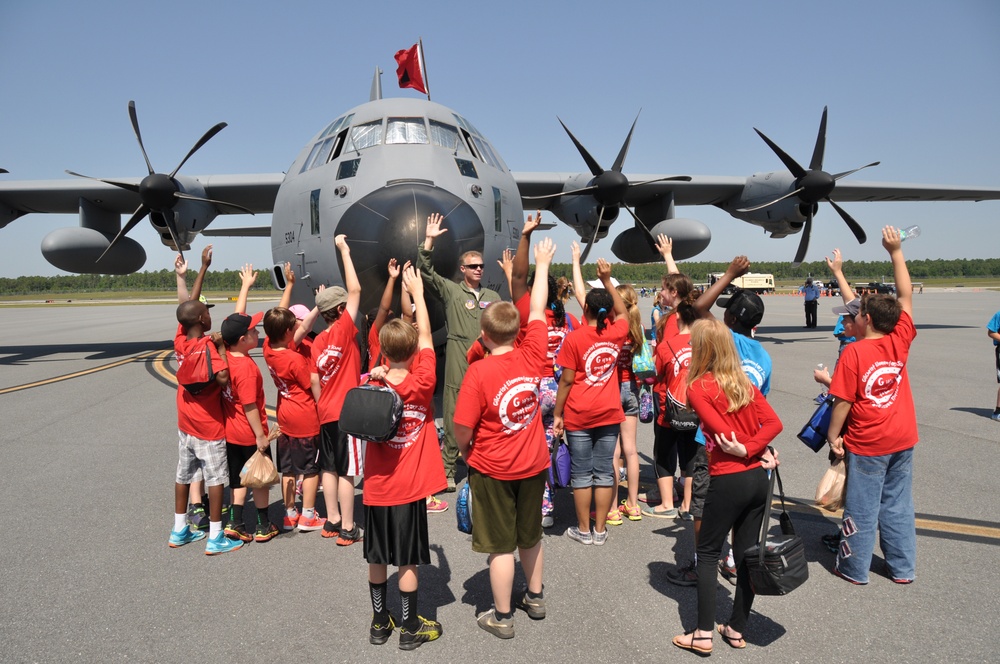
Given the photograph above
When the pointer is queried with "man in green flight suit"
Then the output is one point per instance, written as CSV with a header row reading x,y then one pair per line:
x,y
463,303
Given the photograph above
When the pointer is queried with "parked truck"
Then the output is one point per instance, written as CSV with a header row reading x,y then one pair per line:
x,y
756,282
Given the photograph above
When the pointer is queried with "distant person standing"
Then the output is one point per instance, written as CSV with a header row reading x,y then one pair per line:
x,y
463,305
993,331
811,292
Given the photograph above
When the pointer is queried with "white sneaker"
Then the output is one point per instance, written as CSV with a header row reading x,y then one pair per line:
x,y
583,538
599,538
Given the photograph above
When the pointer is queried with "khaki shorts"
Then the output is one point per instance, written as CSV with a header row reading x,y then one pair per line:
x,y
506,514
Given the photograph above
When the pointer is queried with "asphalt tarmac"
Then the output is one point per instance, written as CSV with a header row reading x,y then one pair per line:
x,y
88,445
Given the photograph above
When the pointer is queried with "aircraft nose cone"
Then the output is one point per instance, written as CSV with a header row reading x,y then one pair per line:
x,y
391,223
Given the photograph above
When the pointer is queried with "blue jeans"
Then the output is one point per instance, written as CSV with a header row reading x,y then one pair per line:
x,y
879,498
591,452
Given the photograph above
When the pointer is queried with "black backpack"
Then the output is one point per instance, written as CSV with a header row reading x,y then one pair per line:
x,y
371,412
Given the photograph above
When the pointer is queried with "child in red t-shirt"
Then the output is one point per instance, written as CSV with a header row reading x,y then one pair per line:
x,y
498,427
338,364
246,423
298,419
589,406
401,473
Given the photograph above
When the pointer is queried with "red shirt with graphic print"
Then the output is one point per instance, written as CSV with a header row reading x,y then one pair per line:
x,y
408,467
199,415
595,398
871,374
292,375
338,362
499,402
673,358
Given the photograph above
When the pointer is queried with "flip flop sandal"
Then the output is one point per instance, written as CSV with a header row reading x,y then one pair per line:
x,y
703,652
732,642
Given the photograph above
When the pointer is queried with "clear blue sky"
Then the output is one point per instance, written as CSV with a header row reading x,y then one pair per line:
x,y
913,84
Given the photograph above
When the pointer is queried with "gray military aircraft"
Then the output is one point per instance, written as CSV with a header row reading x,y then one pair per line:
x,y
379,170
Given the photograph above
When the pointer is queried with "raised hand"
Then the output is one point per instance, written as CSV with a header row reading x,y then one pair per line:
x,y
412,281
180,266
890,239
575,250
341,242
247,275
289,275
544,251
739,266
434,226
664,245
532,223
603,270
206,256
393,269
836,264
506,262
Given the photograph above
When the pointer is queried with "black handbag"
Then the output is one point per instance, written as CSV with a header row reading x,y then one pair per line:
x,y
776,566
371,412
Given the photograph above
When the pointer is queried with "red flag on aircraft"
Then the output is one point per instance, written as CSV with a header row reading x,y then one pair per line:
x,y
409,71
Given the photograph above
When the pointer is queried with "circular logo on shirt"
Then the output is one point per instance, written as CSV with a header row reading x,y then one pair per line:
x,y
882,385
599,362
409,428
329,363
519,405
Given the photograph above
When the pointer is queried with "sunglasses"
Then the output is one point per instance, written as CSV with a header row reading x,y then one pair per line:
x,y
474,266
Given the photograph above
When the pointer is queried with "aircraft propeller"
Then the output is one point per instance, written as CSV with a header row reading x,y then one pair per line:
x,y
608,187
159,192
811,187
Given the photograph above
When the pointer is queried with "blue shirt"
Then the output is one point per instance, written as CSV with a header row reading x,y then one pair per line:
x,y
756,365
838,331
811,291
994,326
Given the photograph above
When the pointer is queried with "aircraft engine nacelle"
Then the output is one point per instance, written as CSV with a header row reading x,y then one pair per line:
x,y
790,210
580,212
77,250
191,218
690,238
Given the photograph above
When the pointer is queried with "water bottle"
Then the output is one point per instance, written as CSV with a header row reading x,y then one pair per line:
x,y
907,233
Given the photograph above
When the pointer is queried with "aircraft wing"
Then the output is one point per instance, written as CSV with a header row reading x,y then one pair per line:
x,y
715,190
255,191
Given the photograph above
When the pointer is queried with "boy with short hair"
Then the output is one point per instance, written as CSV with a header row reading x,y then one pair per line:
x,y
401,473
298,419
246,420
874,420
498,406
338,364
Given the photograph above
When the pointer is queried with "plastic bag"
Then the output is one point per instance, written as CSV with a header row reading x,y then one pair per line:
x,y
646,404
463,508
258,472
830,492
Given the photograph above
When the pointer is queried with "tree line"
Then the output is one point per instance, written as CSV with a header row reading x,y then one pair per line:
x,y
229,280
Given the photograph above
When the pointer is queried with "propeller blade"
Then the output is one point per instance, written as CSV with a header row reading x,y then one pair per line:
x,y
561,193
620,160
816,163
595,168
189,197
800,253
789,163
137,216
638,223
671,178
855,227
4,170
121,185
761,207
135,127
197,146
846,173
168,217
593,239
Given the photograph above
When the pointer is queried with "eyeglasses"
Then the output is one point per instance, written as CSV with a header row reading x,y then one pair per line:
x,y
474,266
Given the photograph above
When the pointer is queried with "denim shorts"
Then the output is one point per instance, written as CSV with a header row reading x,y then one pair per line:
x,y
591,452
630,398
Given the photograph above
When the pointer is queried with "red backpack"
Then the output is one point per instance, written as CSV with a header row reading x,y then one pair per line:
x,y
196,373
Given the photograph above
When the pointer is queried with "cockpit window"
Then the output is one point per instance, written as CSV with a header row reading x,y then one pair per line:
x,y
406,130
446,136
486,153
365,135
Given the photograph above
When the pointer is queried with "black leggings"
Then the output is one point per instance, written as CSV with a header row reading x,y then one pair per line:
x,y
668,446
735,502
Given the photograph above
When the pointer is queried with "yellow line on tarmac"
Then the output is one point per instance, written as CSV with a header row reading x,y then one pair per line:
x,y
77,374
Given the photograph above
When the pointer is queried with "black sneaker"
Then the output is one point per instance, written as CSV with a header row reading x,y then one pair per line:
x,y
428,630
349,537
265,532
378,633
330,529
196,517
684,576
238,531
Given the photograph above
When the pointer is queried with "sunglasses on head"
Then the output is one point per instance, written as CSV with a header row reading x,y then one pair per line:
x,y
474,266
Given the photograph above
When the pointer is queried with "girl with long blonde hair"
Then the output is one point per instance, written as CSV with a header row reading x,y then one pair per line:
x,y
738,424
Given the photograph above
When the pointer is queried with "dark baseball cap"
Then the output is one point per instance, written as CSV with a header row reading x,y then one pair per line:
x,y
236,325
745,306
852,308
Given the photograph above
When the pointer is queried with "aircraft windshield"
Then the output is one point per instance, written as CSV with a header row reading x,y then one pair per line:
x,y
406,130
446,136
365,135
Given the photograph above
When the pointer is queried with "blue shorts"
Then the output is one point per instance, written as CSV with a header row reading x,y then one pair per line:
x,y
630,398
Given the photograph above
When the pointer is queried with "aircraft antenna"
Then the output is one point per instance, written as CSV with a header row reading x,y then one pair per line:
x,y
376,92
